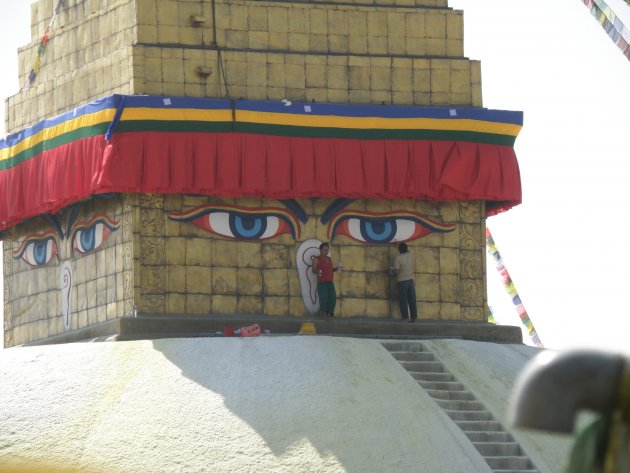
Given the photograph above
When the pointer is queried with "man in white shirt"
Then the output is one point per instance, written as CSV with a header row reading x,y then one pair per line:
x,y
404,269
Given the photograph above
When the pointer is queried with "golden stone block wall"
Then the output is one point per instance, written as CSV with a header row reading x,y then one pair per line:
x,y
165,266
183,269
300,27
88,56
335,79
399,52
102,281
336,53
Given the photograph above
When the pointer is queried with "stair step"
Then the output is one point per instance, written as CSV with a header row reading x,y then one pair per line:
x,y
458,405
467,416
403,346
413,356
444,395
498,449
439,377
489,436
515,471
423,366
479,425
508,463
452,386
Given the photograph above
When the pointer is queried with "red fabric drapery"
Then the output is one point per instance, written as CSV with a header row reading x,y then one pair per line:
x,y
275,167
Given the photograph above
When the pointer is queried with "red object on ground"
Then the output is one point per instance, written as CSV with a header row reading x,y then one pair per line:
x,y
250,331
228,332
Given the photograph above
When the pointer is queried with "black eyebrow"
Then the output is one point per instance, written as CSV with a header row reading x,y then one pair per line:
x,y
296,208
334,207
74,213
55,224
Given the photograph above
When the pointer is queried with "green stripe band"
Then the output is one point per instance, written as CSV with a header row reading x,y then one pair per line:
x,y
315,132
65,138
261,129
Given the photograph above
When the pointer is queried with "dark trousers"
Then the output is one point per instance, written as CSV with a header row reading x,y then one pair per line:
x,y
407,299
327,297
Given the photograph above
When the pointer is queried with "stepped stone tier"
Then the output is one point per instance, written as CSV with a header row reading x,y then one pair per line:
x,y
179,158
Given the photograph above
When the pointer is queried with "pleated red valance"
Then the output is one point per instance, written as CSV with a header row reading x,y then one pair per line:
x,y
217,147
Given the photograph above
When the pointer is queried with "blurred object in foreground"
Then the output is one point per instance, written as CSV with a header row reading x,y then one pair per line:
x,y
554,388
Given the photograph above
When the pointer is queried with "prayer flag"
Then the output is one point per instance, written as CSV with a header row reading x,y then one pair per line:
x,y
511,290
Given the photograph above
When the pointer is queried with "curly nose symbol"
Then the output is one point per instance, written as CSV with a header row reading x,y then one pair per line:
x,y
308,279
65,280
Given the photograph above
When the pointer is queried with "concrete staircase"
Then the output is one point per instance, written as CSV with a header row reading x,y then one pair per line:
x,y
494,443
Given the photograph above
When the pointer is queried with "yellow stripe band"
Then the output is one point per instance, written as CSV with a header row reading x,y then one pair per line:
x,y
378,123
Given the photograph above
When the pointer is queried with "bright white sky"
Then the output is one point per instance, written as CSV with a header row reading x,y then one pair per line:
x,y
565,247
556,64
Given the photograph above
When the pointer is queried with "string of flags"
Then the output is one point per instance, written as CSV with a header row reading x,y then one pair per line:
x,y
491,316
511,290
611,23
41,50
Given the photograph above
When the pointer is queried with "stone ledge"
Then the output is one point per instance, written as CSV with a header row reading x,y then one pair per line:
x,y
167,326
99,331
150,327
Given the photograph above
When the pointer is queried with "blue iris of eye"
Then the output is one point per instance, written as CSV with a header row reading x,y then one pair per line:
x,y
247,226
378,231
87,239
40,251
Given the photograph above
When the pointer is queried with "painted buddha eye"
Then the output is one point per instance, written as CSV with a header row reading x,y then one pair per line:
x,y
90,235
241,223
384,228
37,250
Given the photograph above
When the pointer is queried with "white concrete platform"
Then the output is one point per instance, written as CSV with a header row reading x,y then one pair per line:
x,y
266,404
